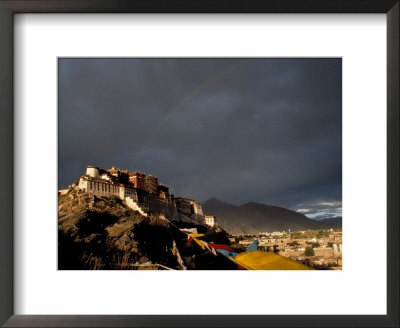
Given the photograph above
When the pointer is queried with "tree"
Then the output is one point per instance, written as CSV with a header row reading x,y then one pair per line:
x,y
322,233
309,251
296,235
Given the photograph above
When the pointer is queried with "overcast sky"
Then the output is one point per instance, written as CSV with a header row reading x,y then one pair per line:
x,y
240,130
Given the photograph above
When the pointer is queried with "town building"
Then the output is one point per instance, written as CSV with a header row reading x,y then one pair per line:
x,y
323,251
337,249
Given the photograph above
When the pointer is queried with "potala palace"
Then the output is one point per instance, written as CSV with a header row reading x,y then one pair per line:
x,y
143,193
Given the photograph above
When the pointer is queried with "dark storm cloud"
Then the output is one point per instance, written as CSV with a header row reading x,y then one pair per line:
x,y
263,130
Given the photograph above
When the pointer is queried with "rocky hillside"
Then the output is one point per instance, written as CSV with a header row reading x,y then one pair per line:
x,y
102,233
255,217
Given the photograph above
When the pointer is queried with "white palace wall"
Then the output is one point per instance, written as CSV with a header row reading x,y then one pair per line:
x,y
143,203
140,201
105,188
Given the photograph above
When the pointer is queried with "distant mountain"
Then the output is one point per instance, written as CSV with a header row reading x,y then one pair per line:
x,y
256,217
334,222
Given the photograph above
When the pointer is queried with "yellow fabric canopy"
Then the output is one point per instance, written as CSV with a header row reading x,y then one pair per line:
x,y
258,260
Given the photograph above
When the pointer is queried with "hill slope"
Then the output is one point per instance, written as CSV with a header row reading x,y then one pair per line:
x,y
256,217
335,221
100,233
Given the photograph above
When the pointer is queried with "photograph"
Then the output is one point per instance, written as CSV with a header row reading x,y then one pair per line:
x,y
199,163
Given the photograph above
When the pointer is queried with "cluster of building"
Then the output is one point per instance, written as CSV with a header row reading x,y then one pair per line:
x,y
321,252
144,193
318,250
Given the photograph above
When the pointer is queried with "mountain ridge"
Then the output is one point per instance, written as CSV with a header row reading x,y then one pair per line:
x,y
334,221
253,217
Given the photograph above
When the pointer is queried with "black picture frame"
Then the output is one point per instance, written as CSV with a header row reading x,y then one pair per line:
x,y
10,7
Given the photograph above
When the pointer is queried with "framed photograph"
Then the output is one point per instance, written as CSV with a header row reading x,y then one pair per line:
x,y
202,164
